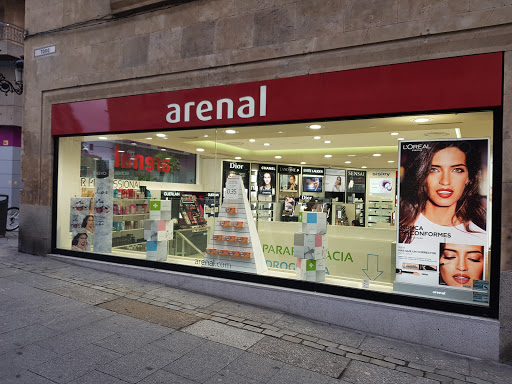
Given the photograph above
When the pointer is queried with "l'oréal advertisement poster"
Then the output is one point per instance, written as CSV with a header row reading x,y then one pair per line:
x,y
443,204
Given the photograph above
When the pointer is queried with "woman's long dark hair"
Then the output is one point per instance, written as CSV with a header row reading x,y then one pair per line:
x,y
414,191
75,239
84,221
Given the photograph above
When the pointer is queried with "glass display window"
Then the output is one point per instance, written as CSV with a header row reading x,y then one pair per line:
x,y
397,205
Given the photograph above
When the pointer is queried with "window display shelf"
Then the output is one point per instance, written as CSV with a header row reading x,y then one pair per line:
x,y
132,214
128,230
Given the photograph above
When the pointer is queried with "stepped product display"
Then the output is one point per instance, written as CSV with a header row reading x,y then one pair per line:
x,y
234,243
310,246
158,230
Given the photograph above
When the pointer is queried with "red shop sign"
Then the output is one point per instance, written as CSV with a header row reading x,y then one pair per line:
x,y
435,85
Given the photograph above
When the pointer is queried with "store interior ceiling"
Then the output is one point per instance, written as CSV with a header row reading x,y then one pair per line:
x,y
344,143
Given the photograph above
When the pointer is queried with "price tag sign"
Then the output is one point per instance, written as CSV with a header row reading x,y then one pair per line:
x,y
233,190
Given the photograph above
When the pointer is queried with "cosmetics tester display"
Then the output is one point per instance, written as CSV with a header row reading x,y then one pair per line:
x,y
235,244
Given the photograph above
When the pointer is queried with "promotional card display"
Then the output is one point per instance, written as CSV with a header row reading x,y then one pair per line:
x,y
230,168
289,178
158,230
289,206
443,227
266,180
103,206
235,244
310,246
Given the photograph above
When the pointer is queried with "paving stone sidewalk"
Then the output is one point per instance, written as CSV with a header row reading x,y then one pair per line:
x,y
61,323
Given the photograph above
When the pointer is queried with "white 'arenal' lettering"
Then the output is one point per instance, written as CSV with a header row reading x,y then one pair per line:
x,y
221,109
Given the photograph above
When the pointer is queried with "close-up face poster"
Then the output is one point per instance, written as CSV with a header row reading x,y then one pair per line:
x,y
443,204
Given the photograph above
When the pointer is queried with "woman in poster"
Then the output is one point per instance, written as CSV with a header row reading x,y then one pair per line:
x,y
460,264
79,242
439,193
88,224
266,185
337,185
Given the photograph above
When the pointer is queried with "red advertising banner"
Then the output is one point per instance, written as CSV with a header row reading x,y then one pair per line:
x,y
434,85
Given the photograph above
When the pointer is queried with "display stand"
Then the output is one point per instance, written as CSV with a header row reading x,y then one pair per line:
x,y
235,244
158,230
310,246
103,206
81,207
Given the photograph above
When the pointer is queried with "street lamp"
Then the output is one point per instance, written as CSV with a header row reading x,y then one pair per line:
x,y
6,86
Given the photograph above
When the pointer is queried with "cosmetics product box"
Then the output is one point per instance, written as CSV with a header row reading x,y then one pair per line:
x,y
224,223
313,222
309,246
231,238
211,251
231,210
222,252
238,224
234,253
242,239
310,270
156,250
245,254
218,237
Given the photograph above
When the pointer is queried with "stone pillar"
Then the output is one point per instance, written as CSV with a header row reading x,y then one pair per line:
x,y
505,168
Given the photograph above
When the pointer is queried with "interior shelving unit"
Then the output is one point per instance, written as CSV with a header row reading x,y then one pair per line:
x,y
128,221
380,213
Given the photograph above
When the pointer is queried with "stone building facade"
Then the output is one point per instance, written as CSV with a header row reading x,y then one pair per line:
x,y
111,48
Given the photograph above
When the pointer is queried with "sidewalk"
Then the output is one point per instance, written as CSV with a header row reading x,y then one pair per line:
x,y
61,323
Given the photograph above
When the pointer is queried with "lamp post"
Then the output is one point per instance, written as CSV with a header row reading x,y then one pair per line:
x,y
6,86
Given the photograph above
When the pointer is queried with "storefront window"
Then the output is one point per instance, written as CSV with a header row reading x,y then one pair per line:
x,y
397,204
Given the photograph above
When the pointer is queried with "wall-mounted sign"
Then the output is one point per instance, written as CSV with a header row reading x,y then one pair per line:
x,y
170,194
284,99
288,169
313,171
45,51
356,181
